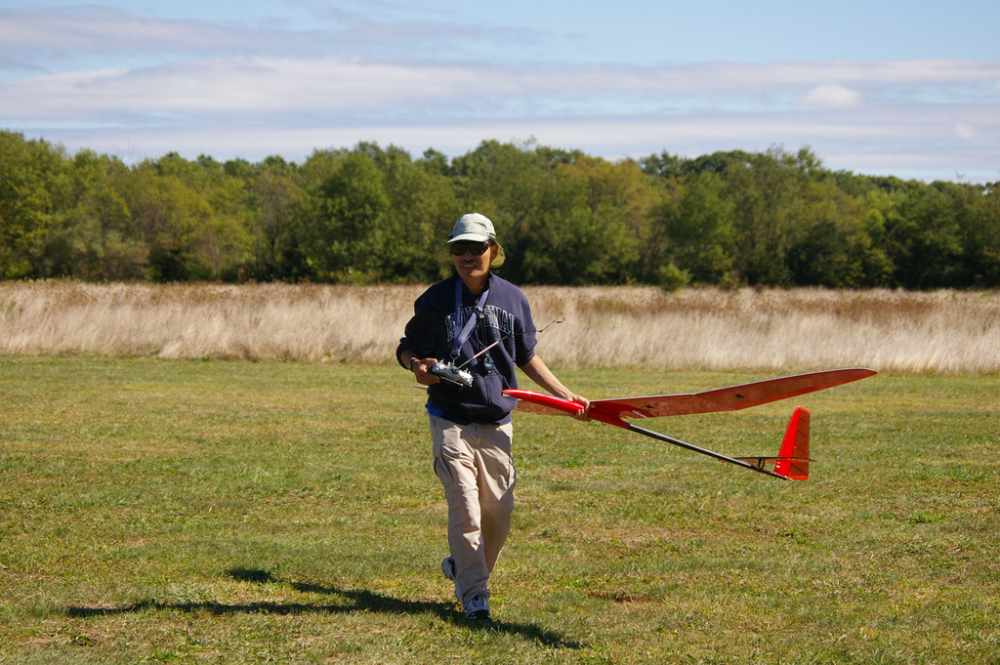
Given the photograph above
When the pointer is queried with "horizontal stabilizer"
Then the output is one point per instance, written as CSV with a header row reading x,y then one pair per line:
x,y
759,460
792,461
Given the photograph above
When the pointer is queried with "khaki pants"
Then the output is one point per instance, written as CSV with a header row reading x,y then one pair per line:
x,y
475,467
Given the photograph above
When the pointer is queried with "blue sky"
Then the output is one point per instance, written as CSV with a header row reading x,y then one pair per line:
x,y
903,88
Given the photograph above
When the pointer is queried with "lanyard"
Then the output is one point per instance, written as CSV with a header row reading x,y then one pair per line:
x,y
462,337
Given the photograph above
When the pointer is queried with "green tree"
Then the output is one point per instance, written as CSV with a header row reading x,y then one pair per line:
x,y
343,220
606,238
764,193
564,218
95,240
29,173
829,247
191,216
978,217
925,239
700,228
273,198
982,238
512,185
422,209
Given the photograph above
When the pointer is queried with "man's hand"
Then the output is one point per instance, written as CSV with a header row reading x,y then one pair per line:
x,y
539,372
421,369
586,406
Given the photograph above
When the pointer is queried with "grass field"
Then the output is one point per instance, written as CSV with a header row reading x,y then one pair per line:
x,y
185,511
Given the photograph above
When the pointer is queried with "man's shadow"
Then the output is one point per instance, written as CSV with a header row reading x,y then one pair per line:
x,y
352,600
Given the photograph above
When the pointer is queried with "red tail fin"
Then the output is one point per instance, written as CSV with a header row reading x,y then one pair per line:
x,y
793,457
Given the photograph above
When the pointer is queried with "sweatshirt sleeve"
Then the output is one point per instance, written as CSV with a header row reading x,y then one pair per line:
x,y
426,326
524,334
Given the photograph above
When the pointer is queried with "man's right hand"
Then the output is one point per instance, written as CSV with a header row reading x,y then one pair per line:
x,y
421,369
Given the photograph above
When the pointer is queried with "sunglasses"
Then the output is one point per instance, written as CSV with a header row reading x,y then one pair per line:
x,y
475,248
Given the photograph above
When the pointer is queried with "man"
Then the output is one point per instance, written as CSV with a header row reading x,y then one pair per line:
x,y
454,320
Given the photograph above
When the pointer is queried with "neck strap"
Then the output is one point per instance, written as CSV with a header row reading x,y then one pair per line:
x,y
463,336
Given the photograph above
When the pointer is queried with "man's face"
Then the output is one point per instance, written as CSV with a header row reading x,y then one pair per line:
x,y
470,265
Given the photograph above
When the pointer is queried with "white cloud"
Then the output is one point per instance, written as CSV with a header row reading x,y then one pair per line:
x,y
262,86
832,96
248,86
917,143
964,131
255,106
92,29
58,38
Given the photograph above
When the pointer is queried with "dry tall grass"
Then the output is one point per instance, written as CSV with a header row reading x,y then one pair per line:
x,y
708,329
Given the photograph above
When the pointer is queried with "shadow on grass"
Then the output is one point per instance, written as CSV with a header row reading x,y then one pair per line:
x,y
350,600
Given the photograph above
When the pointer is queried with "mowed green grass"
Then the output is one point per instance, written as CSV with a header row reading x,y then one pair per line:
x,y
178,511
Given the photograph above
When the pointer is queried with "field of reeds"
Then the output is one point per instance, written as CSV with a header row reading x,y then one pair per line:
x,y
947,332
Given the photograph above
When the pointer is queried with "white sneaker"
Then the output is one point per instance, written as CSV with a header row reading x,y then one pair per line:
x,y
448,568
477,609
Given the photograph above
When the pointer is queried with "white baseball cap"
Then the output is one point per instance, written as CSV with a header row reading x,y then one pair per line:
x,y
474,227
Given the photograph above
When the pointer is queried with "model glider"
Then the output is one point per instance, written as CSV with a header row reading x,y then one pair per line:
x,y
792,461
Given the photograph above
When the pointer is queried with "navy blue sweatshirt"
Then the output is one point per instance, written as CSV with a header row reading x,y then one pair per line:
x,y
430,334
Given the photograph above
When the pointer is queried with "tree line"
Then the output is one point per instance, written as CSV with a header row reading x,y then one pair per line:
x,y
372,214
